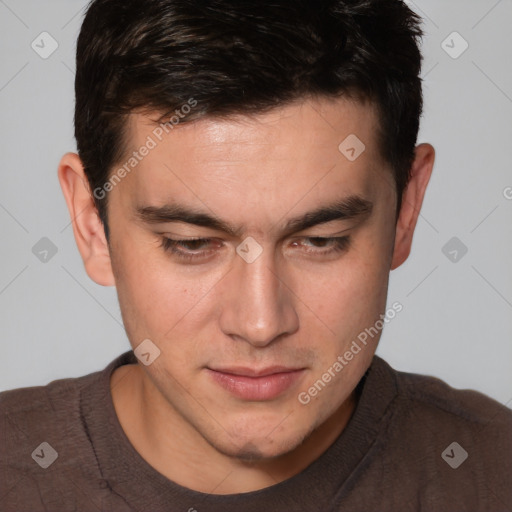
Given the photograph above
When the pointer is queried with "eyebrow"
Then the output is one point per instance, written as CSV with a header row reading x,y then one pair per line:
x,y
347,208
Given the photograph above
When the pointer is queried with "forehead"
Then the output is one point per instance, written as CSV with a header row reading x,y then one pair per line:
x,y
317,122
303,151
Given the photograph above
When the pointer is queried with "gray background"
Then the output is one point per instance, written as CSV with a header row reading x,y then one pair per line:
x,y
456,321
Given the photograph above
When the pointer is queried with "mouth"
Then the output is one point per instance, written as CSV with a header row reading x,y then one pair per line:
x,y
256,385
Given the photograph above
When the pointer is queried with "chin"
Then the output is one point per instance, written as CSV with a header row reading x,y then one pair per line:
x,y
256,448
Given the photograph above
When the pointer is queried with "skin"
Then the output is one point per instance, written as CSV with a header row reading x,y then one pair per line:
x,y
296,305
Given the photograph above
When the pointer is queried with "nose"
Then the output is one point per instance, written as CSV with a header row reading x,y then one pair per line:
x,y
257,306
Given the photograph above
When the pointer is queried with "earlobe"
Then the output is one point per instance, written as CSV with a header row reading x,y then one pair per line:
x,y
87,226
412,200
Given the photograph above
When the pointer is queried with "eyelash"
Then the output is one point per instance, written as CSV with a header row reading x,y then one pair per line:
x,y
170,245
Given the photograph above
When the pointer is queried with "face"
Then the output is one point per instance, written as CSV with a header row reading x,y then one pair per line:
x,y
253,253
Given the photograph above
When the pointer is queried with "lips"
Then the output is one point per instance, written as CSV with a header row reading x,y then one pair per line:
x,y
250,372
256,385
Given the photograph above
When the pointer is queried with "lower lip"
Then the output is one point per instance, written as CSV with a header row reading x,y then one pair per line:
x,y
257,388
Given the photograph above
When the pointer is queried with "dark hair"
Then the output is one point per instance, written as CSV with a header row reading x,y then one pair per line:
x,y
243,57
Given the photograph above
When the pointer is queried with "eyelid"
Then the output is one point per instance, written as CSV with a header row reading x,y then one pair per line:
x,y
336,245
176,239
181,236
338,234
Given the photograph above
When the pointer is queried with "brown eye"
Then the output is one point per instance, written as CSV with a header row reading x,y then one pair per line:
x,y
324,245
189,249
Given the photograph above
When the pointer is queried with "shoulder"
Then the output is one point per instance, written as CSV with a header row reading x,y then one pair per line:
x,y
466,406
57,400
48,436
54,405
435,447
20,399
41,413
39,426
427,414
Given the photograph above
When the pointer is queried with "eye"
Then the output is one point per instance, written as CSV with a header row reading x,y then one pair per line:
x,y
324,245
196,249
189,249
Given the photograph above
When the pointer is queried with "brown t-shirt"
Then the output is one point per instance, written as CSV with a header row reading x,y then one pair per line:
x,y
413,443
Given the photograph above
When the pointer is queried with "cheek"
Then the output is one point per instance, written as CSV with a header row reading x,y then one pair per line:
x,y
351,293
160,300
346,302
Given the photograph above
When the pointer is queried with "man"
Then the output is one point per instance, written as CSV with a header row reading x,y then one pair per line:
x,y
247,176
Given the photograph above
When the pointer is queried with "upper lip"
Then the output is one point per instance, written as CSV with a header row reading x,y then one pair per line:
x,y
251,372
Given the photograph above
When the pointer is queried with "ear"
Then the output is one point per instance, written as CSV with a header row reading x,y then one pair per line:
x,y
87,226
412,199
